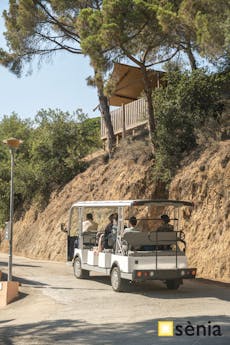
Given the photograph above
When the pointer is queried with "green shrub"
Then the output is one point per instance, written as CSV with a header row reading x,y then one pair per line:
x,y
50,156
188,104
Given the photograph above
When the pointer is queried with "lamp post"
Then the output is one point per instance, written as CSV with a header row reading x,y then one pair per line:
x,y
13,144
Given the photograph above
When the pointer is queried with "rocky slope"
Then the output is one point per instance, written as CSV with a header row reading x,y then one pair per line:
x,y
205,181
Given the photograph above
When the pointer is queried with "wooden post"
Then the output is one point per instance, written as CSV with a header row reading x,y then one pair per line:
x,y
123,121
158,80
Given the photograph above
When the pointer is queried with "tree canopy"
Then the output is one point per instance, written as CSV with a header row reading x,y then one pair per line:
x,y
51,154
131,30
151,32
40,28
200,27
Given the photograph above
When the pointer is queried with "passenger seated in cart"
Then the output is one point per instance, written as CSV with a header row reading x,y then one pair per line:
x,y
133,222
132,225
111,238
89,224
111,227
165,226
108,229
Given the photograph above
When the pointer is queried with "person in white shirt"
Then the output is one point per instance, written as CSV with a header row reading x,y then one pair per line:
x,y
132,225
89,224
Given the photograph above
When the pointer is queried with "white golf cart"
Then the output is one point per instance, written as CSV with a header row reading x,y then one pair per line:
x,y
134,256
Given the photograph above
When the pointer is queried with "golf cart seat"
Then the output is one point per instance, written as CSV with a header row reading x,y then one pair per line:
x,y
137,239
89,239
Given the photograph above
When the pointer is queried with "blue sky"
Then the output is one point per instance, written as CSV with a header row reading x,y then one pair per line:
x,y
60,83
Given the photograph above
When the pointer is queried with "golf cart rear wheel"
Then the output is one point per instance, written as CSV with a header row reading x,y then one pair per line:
x,y
118,284
173,284
78,271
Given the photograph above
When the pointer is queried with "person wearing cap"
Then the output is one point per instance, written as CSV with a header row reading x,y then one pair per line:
x,y
89,224
165,226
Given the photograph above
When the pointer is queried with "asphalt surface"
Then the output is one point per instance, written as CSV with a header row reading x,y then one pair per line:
x,y
55,308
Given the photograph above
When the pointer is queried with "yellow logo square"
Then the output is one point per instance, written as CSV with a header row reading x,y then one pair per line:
x,y
165,328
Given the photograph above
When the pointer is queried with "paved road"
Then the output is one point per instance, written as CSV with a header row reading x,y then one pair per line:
x,y
55,308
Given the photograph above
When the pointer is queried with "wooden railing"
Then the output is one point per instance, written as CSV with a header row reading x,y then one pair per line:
x,y
127,117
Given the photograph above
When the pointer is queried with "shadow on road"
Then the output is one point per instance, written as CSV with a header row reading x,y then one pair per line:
x,y
24,281
4,264
69,331
5,321
21,295
213,282
190,289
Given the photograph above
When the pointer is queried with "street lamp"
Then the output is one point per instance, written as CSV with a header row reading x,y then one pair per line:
x,y
13,144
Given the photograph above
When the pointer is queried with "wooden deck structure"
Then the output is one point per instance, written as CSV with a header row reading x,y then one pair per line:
x,y
129,85
127,117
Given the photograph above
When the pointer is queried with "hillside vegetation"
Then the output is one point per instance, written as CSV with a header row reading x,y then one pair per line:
x,y
49,157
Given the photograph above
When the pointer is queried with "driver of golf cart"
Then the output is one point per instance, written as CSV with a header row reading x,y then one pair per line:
x,y
165,226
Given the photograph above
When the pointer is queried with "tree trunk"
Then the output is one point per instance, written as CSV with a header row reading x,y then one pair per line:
x,y
105,114
148,93
191,57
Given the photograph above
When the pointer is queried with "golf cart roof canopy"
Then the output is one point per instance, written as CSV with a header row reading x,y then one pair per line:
x,y
122,203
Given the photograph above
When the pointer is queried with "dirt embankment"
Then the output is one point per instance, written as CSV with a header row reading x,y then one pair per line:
x,y
205,181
